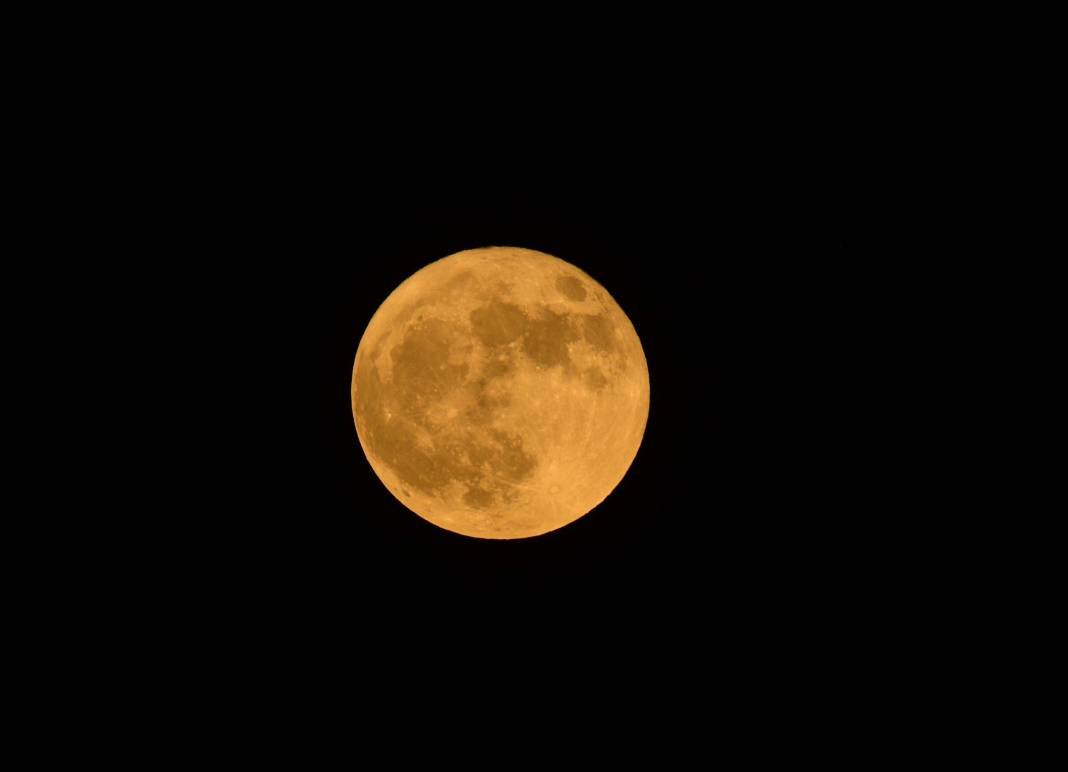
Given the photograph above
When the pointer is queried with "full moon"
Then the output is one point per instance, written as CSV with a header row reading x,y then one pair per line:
x,y
500,393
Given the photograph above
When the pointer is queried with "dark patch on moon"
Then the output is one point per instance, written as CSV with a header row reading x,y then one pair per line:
x,y
570,287
422,372
460,281
499,365
547,337
478,498
481,410
497,323
510,458
598,332
495,461
595,379
398,443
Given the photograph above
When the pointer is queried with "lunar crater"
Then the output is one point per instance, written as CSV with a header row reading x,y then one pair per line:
x,y
571,287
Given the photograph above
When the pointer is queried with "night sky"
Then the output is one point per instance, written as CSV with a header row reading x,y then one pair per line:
x,y
718,549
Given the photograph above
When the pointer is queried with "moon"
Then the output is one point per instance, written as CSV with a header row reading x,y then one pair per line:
x,y
500,393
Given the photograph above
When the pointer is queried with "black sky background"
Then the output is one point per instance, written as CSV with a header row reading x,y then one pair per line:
x,y
726,547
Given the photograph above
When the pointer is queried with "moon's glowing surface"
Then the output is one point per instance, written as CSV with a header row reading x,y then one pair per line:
x,y
500,393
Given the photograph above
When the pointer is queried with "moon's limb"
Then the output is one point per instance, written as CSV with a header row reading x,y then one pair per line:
x,y
500,393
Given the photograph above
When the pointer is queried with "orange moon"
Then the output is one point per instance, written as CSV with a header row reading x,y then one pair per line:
x,y
500,393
